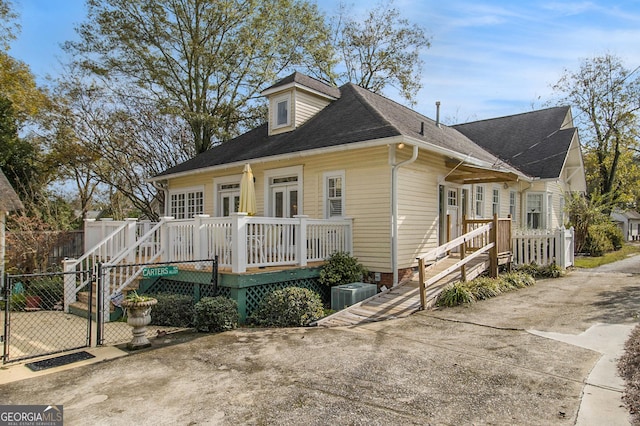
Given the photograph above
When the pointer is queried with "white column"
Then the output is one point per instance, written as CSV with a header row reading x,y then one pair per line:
x,y
165,237
130,237
199,243
301,240
239,242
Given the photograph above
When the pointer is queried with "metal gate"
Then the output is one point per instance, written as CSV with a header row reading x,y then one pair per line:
x,y
34,321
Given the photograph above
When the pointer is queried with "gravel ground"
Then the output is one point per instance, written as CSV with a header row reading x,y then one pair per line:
x,y
468,365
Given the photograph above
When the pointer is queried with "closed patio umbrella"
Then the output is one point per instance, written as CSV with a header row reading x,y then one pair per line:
x,y
247,192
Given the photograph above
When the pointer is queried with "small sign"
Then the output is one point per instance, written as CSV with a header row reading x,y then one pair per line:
x,y
159,271
36,415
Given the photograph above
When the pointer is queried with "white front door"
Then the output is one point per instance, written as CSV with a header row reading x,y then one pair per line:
x,y
285,200
453,213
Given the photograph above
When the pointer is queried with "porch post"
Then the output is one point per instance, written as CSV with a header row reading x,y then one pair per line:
x,y
130,237
493,253
165,236
301,240
239,242
199,247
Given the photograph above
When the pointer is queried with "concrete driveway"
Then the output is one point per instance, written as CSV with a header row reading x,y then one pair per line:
x,y
525,357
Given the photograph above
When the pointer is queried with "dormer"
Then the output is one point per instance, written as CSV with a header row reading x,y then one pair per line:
x,y
295,99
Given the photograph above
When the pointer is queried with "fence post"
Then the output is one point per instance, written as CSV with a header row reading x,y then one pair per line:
x,y
301,240
572,246
69,283
559,247
239,242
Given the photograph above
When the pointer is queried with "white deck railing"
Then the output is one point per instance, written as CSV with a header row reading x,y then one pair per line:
x,y
240,242
544,247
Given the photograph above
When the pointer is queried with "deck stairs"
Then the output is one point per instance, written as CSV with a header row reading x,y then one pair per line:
x,y
81,306
404,299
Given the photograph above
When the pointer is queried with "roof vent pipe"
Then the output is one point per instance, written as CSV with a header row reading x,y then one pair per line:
x,y
438,113
422,128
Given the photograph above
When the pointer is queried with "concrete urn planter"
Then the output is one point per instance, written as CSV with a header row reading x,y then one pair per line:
x,y
139,316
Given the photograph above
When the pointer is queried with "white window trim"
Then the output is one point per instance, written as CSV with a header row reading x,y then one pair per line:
x,y
276,100
514,214
325,192
216,192
493,189
283,172
543,213
184,191
475,201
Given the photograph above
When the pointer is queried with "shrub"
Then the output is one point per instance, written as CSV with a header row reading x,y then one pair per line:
x,y
483,288
288,307
455,294
519,279
598,242
629,371
175,310
18,302
50,290
537,271
341,268
215,314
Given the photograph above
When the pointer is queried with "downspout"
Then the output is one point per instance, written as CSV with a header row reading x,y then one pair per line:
x,y
394,205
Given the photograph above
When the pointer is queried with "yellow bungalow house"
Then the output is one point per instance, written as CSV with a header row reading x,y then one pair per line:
x,y
387,182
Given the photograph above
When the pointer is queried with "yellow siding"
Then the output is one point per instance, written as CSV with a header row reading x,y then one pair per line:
x,y
306,106
367,195
418,207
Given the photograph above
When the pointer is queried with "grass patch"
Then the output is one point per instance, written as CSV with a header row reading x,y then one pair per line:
x,y
614,256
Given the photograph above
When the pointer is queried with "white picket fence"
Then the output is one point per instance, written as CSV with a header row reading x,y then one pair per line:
x,y
544,247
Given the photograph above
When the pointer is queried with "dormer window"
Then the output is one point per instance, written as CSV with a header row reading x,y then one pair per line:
x,y
282,111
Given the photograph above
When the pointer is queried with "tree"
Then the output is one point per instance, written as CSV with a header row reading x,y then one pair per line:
x,y
8,25
607,97
110,142
383,50
205,61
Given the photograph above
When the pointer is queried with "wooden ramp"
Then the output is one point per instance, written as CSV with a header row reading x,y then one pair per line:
x,y
403,299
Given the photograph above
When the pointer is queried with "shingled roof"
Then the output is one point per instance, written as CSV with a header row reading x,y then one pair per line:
x,y
357,115
9,200
306,81
533,142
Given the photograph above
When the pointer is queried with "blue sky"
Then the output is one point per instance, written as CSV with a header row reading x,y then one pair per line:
x,y
488,58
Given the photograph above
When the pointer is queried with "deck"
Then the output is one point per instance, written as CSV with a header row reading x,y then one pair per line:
x,y
403,299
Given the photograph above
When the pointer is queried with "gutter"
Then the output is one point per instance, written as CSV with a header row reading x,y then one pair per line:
x,y
394,205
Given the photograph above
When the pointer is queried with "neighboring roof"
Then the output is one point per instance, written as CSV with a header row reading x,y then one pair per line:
x,y
9,200
305,80
534,142
358,115
631,214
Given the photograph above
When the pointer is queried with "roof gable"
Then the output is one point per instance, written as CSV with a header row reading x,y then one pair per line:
x,y
9,200
535,142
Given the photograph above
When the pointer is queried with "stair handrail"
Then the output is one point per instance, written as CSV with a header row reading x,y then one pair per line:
x,y
433,254
133,270
88,262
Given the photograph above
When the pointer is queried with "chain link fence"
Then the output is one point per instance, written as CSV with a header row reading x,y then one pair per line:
x,y
34,322
177,286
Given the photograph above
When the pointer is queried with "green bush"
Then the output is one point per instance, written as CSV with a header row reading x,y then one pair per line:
x,y
174,310
483,288
288,307
519,279
537,271
598,242
18,302
215,314
341,268
455,294
50,290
